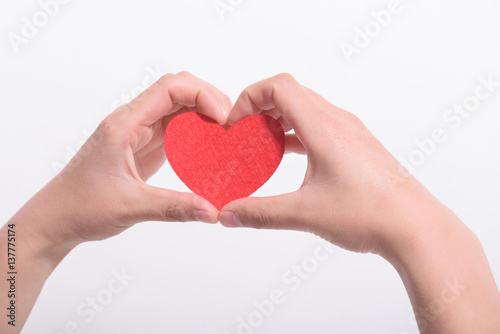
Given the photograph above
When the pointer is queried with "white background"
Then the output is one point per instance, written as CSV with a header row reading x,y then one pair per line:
x,y
194,278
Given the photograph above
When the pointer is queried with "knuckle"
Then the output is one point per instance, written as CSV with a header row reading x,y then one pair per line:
x,y
185,74
181,208
174,213
354,120
107,125
285,79
166,79
247,93
261,219
120,109
113,128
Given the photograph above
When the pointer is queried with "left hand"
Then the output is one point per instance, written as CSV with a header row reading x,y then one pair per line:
x,y
102,190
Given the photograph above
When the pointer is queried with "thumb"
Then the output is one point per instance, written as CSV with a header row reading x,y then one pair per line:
x,y
158,204
275,212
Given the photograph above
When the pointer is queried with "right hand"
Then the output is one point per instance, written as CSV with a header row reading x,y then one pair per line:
x,y
355,193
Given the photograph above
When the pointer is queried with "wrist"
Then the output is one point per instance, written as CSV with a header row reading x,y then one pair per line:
x,y
427,230
414,222
43,231
447,276
29,253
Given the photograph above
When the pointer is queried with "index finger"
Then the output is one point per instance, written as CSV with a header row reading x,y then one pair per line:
x,y
286,96
171,92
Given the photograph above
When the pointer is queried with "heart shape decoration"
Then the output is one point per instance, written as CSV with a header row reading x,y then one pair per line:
x,y
223,165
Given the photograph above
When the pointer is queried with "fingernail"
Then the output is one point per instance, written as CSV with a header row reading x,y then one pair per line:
x,y
203,216
224,111
230,219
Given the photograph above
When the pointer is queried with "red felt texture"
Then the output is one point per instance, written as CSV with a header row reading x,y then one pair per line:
x,y
223,165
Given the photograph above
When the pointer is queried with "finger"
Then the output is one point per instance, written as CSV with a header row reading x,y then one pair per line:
x,y
148,163
223,98
290,99
276,115
271,112
276,212
170,93
293,144
157,204
284,124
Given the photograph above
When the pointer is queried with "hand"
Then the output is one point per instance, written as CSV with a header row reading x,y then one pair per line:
x,y
102,190
354,194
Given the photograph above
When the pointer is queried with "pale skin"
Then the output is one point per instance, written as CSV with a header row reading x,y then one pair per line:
x,y
355,195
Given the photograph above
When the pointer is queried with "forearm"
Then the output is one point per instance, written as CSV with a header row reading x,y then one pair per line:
x,y
27,258
448,278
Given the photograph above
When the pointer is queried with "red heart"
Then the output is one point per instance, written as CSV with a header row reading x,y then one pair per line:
x,y
221,165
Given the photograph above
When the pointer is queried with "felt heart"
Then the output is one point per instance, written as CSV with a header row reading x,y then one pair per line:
x,y
223,165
